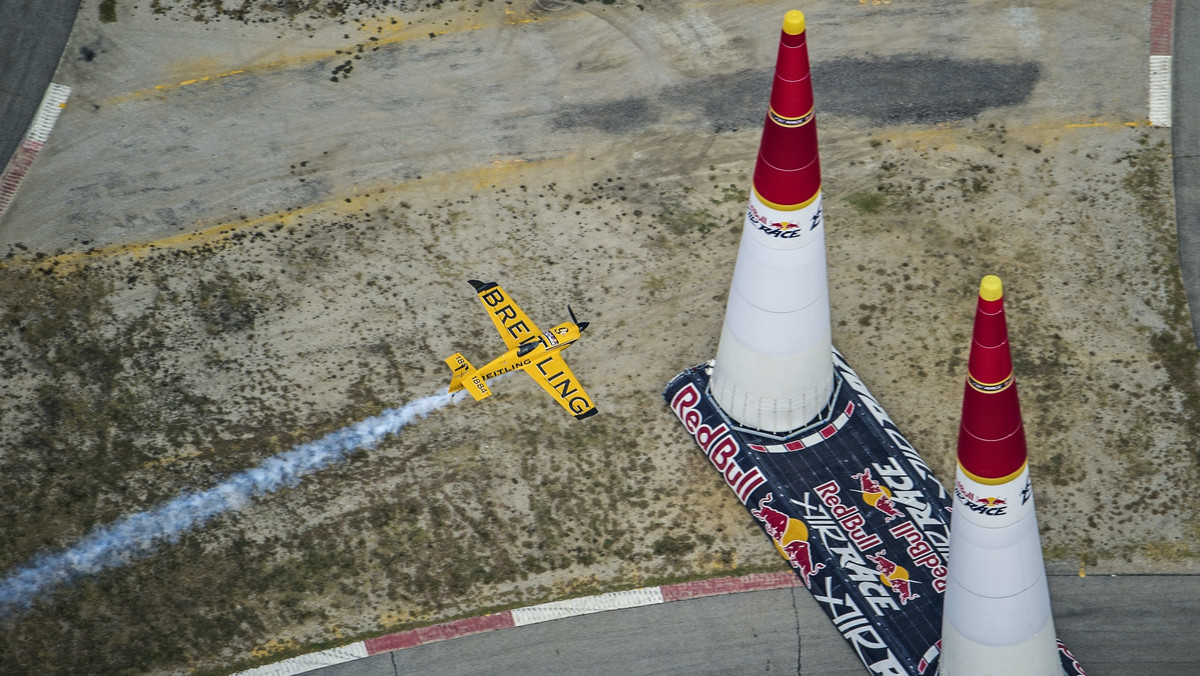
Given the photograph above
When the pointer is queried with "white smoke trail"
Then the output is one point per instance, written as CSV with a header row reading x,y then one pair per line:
x,y
139,534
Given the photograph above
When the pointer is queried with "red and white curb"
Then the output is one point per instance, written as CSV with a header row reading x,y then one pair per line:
x,y
813,439
35,139
554,610
1162,15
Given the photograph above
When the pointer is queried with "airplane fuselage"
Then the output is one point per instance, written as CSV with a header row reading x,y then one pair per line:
x,y
532,352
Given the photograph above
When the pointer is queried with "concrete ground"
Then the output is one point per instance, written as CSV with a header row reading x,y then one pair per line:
x,y
777,632
1185,145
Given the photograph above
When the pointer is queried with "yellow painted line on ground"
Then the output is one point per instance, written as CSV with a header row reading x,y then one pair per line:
x,y
399,33
947,130
379,33
1084,125
499,171
71,261
479,178
215,234
273,647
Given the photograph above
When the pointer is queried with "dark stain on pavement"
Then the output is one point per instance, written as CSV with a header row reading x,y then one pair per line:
x,y
612,117
895,90
727,102
919,90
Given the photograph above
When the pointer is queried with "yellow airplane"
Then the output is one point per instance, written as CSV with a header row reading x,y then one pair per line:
x,y
537,352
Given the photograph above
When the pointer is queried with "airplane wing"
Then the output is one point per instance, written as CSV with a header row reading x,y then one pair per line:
x,y
551,372
513,325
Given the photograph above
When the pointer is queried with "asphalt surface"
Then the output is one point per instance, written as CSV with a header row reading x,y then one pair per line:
x,y
1114,626
32,36
1185,141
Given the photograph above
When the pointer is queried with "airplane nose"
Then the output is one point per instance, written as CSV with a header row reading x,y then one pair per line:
x,y
582,326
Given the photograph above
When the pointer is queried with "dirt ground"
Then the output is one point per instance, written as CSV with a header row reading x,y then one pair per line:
x,y
268,237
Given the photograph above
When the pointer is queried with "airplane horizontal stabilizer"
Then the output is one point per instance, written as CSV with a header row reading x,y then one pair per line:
x,y
475,386
465,376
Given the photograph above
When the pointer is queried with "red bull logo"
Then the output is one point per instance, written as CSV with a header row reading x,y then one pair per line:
x,y
867,482
985,505
848,517
921,553
883,564
799,555
876,495
782,229
718,443
894,576
790,536
774,521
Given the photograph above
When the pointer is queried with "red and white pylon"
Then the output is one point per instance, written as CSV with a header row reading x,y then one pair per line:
x,y
996,613
774,369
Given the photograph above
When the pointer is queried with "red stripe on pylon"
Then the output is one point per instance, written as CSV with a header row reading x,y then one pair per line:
x,y
991,440
788,172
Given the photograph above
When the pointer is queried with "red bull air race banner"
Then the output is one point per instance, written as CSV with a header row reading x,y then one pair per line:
x,y
852,507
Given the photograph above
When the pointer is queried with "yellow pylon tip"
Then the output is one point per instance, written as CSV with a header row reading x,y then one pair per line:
x,y
991,288
793,22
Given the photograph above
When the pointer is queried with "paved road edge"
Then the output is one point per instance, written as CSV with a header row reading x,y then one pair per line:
x,y
53,101
529,615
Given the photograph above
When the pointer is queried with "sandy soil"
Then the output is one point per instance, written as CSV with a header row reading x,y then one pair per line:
x,y
204,274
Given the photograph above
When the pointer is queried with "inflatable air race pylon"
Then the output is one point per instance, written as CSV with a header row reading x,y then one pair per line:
x,y
996,618
773,370
794,432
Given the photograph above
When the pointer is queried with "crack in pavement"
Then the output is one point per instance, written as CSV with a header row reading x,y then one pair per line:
x,y
799,638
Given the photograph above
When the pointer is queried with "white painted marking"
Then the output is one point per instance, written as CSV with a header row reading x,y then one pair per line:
x,y
303,663
1160,90
592,604
52,105
19,164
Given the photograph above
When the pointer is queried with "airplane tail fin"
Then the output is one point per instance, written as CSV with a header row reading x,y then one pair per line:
x,y
465,376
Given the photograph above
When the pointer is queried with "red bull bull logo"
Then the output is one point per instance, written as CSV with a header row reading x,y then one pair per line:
x,y
894,576
980,504
782,229
790,536
876,495
883,564
774,521
867,482
800,556
903,588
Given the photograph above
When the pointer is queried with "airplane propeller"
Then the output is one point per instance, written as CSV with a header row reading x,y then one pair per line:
x,y
581,325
